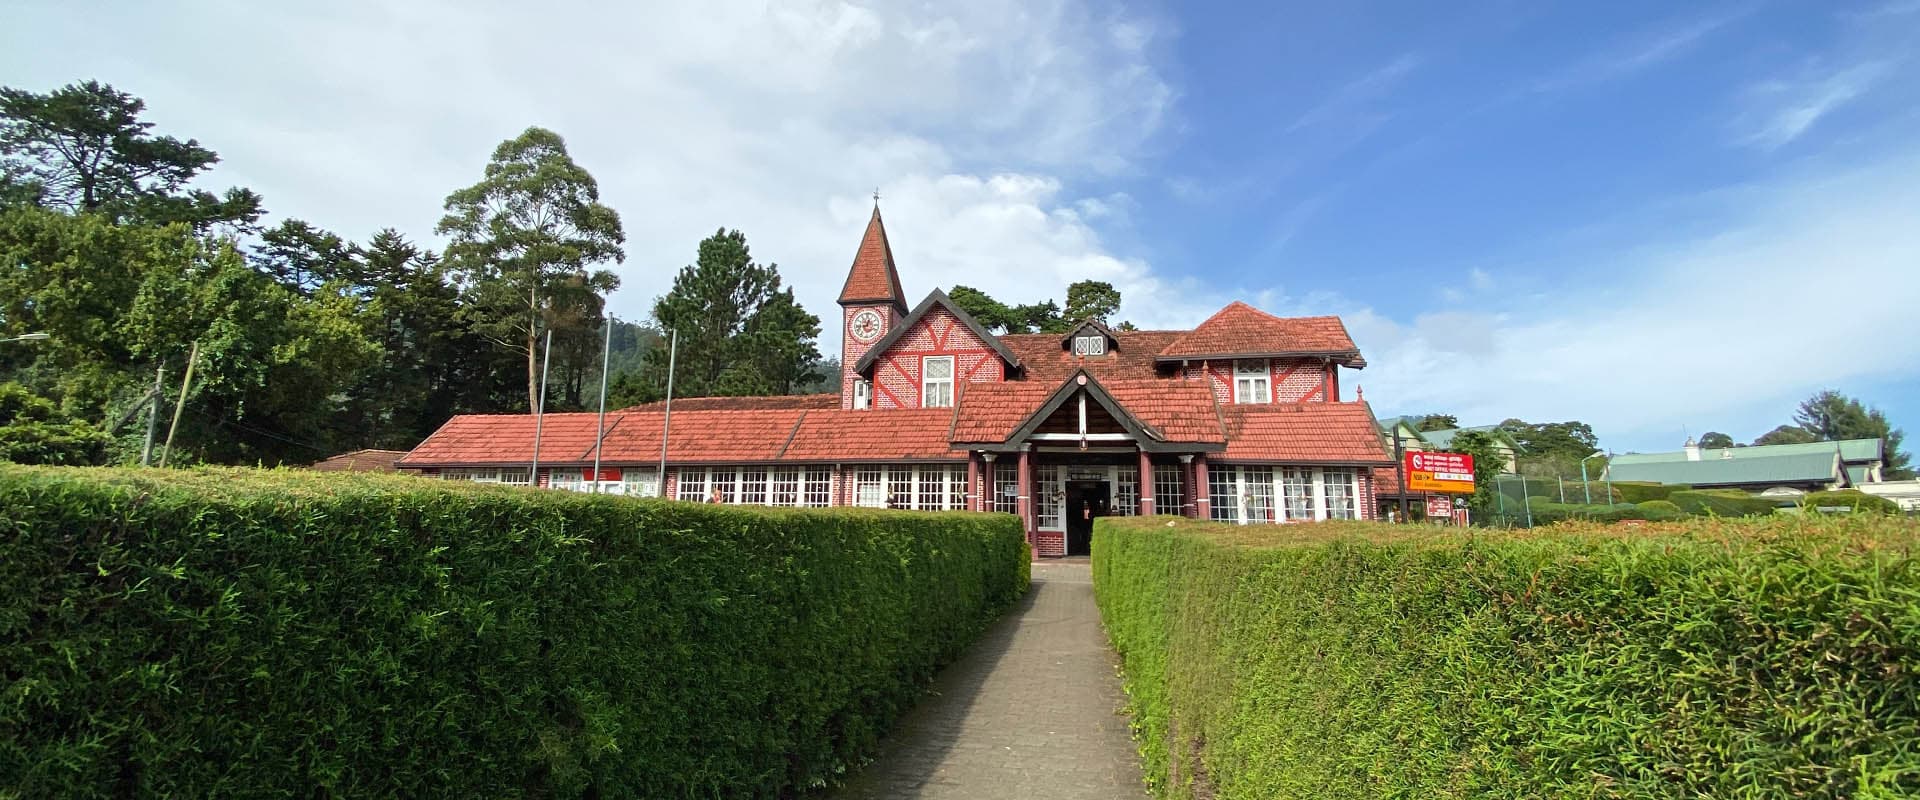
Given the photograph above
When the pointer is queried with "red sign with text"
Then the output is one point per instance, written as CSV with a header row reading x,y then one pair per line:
x,y
1440,472
1439,507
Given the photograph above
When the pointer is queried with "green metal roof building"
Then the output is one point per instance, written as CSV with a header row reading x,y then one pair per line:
x,y
1779,468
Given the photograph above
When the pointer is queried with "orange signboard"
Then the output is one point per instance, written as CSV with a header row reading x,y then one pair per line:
x,y
1440,472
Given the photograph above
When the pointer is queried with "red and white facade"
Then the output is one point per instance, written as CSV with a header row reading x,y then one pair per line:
x,y
1240,419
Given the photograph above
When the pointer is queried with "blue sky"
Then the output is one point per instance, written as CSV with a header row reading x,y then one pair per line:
x,y
1659,218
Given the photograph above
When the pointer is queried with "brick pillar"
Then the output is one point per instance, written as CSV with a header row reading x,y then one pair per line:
x,y
1202,497
1026,493
1146,485
973,482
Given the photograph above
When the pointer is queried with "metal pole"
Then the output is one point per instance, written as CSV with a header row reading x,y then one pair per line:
x,y
600,427
1526,499
1563,488
153,414
666,424
1400,469
193,355
1586,486
540,411
1609,474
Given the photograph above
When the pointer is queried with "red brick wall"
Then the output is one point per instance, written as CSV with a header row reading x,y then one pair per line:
x,y
1050,544
939,333
851,349
1295,380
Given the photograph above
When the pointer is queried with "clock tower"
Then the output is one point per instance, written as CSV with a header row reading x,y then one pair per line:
x,y
871,304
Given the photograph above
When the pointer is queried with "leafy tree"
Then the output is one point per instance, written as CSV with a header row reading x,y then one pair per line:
x,y
524,240
34,431
1039,318
83,148
1786,434
1716,440
302,257
1832,416
740,332
1436,422
991,313
1091,300
1487,463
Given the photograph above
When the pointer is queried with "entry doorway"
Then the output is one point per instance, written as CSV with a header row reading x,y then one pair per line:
x,y
1086,502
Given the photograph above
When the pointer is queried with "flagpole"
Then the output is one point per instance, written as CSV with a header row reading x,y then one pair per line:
x,y
666,424
540,411
600,427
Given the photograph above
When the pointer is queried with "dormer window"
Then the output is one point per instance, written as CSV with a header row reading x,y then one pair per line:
x,y
1093,344
1252,383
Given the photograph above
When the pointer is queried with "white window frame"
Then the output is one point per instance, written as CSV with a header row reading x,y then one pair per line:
x,y
862,394
1090,345
637,482
928,384
1252,381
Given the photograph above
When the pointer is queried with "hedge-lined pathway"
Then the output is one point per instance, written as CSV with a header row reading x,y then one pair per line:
x,y
1033,710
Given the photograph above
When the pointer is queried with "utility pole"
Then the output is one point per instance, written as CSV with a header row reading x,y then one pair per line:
x,y
193,356
600,427
153,414
666,425
540,412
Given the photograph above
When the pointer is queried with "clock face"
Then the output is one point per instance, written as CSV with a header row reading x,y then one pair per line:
x,y
865,326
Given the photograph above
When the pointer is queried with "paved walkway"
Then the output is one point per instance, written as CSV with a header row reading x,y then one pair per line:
x,y
1033,710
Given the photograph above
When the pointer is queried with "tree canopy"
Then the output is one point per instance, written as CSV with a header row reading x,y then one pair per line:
x,y
1086,300
1716,440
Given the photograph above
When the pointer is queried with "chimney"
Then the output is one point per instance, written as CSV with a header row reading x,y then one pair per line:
x,y
1692,449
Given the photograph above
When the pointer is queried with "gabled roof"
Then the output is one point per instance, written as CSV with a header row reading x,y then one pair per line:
x,y
1182,411
494,439
985,420
1242,331
989,412
1320,433
850,435
1090,323
934,298
873,278
1766,469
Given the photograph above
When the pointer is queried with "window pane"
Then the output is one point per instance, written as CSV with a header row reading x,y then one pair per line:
x,y
1223,492
1006,488
1340,494
1048,508
693,485
1257,482
1297,483
819,493
899,487
1168,494
640,482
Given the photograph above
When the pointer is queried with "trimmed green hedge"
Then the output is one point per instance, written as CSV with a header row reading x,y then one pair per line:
x,y
1724,503
1634,492
270,634
1849,498
1712,658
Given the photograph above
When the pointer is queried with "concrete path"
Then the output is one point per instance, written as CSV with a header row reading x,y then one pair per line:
x,y
1033,710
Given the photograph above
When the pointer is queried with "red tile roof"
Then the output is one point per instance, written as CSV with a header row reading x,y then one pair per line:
x,y
990,412
790,401
1386,481
915,434
710,436
360,461
1181,411
1242,330
1330,433
506,439
1044,359
873,277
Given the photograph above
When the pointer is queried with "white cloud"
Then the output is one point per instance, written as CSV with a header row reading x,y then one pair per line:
x,y
1784,108
972,119
1481,280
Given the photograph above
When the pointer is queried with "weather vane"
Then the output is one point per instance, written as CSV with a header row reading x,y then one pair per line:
x,y
876,197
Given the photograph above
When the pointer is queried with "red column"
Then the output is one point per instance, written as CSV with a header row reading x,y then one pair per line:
x,y
973,482
1333,375
1202,497
1026,493
1146,485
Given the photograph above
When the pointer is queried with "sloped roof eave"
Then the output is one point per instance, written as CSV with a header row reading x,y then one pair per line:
x,y
935,297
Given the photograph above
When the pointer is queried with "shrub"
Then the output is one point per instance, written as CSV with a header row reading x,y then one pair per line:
x,y
1636,493
1712,658
1723,503
248,634
1660,510
1854,500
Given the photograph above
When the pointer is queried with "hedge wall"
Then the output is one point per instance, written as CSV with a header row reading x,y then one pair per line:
x,y
1854,499
1725,503
1634,492
1712,658
248,634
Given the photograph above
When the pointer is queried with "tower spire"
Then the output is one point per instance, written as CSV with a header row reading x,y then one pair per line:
x,y
874,279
